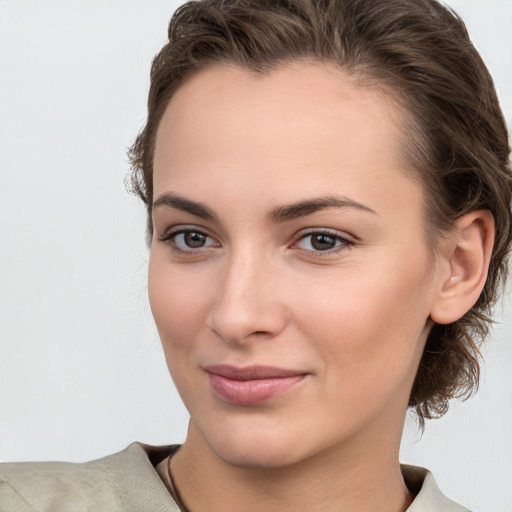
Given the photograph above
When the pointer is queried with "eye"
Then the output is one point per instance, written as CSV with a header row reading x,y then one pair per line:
x,y
322,241
188,239
191,239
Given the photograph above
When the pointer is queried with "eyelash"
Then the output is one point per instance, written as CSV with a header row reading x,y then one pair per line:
x,y
344,243
170,238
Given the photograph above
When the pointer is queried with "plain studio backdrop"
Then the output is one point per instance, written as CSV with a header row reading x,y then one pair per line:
x,y
82,373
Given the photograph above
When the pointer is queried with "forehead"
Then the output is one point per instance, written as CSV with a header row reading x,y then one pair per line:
x,y
304,121
302,94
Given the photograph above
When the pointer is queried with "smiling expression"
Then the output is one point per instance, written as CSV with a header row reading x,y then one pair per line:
x,y
289,277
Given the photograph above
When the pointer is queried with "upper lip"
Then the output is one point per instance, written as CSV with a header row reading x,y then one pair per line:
x,y
254,372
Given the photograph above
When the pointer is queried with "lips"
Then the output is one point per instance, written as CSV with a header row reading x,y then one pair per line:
x,y
251,385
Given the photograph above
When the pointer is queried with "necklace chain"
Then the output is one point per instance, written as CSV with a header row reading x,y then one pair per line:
x,y
175,492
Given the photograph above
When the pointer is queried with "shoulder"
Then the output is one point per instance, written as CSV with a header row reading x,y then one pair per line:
x,y
429,498
124,481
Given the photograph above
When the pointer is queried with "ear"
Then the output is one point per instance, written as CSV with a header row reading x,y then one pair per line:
x,y
467,255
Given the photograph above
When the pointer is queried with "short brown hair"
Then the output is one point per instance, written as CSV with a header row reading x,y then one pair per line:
x,y
421,54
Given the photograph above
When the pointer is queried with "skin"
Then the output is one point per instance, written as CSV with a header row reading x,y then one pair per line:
x,y
354,318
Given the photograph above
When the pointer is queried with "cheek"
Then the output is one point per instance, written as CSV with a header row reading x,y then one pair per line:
x,y
177,303
370,324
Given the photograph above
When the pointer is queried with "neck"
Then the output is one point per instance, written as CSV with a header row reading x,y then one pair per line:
x,y
356,476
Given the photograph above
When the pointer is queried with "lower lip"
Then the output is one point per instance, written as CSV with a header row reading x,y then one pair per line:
x,y
251,392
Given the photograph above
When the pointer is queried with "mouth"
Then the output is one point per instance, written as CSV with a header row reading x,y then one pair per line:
x,y
251,385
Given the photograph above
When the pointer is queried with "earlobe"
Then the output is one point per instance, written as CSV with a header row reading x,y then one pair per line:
x,y
468,255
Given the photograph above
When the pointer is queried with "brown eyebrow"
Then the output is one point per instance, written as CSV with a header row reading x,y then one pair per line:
x,y
186,205
309,206
279,214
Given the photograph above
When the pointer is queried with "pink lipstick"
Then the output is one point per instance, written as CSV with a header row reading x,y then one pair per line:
x,y
251,385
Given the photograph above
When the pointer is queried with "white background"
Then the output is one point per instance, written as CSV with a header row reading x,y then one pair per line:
x,y
81,370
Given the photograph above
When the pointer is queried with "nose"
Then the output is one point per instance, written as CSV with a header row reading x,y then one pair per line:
x,y
249,303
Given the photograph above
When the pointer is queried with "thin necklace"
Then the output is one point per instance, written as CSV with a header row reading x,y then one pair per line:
x,y
175,492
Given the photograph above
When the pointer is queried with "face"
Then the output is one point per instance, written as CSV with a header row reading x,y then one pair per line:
x,y
289,277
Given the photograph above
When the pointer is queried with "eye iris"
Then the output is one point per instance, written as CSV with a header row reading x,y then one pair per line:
x,y
322,242
194,239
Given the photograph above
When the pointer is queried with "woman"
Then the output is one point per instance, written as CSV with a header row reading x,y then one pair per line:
x,y
328,197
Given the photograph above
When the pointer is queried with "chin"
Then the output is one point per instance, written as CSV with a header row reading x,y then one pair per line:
x,y
257,456
256,448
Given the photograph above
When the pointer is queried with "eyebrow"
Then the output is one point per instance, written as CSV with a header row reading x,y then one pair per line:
x,y
277,215
309,206
186,205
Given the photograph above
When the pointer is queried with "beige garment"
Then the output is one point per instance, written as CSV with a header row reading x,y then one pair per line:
x,y
128,482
